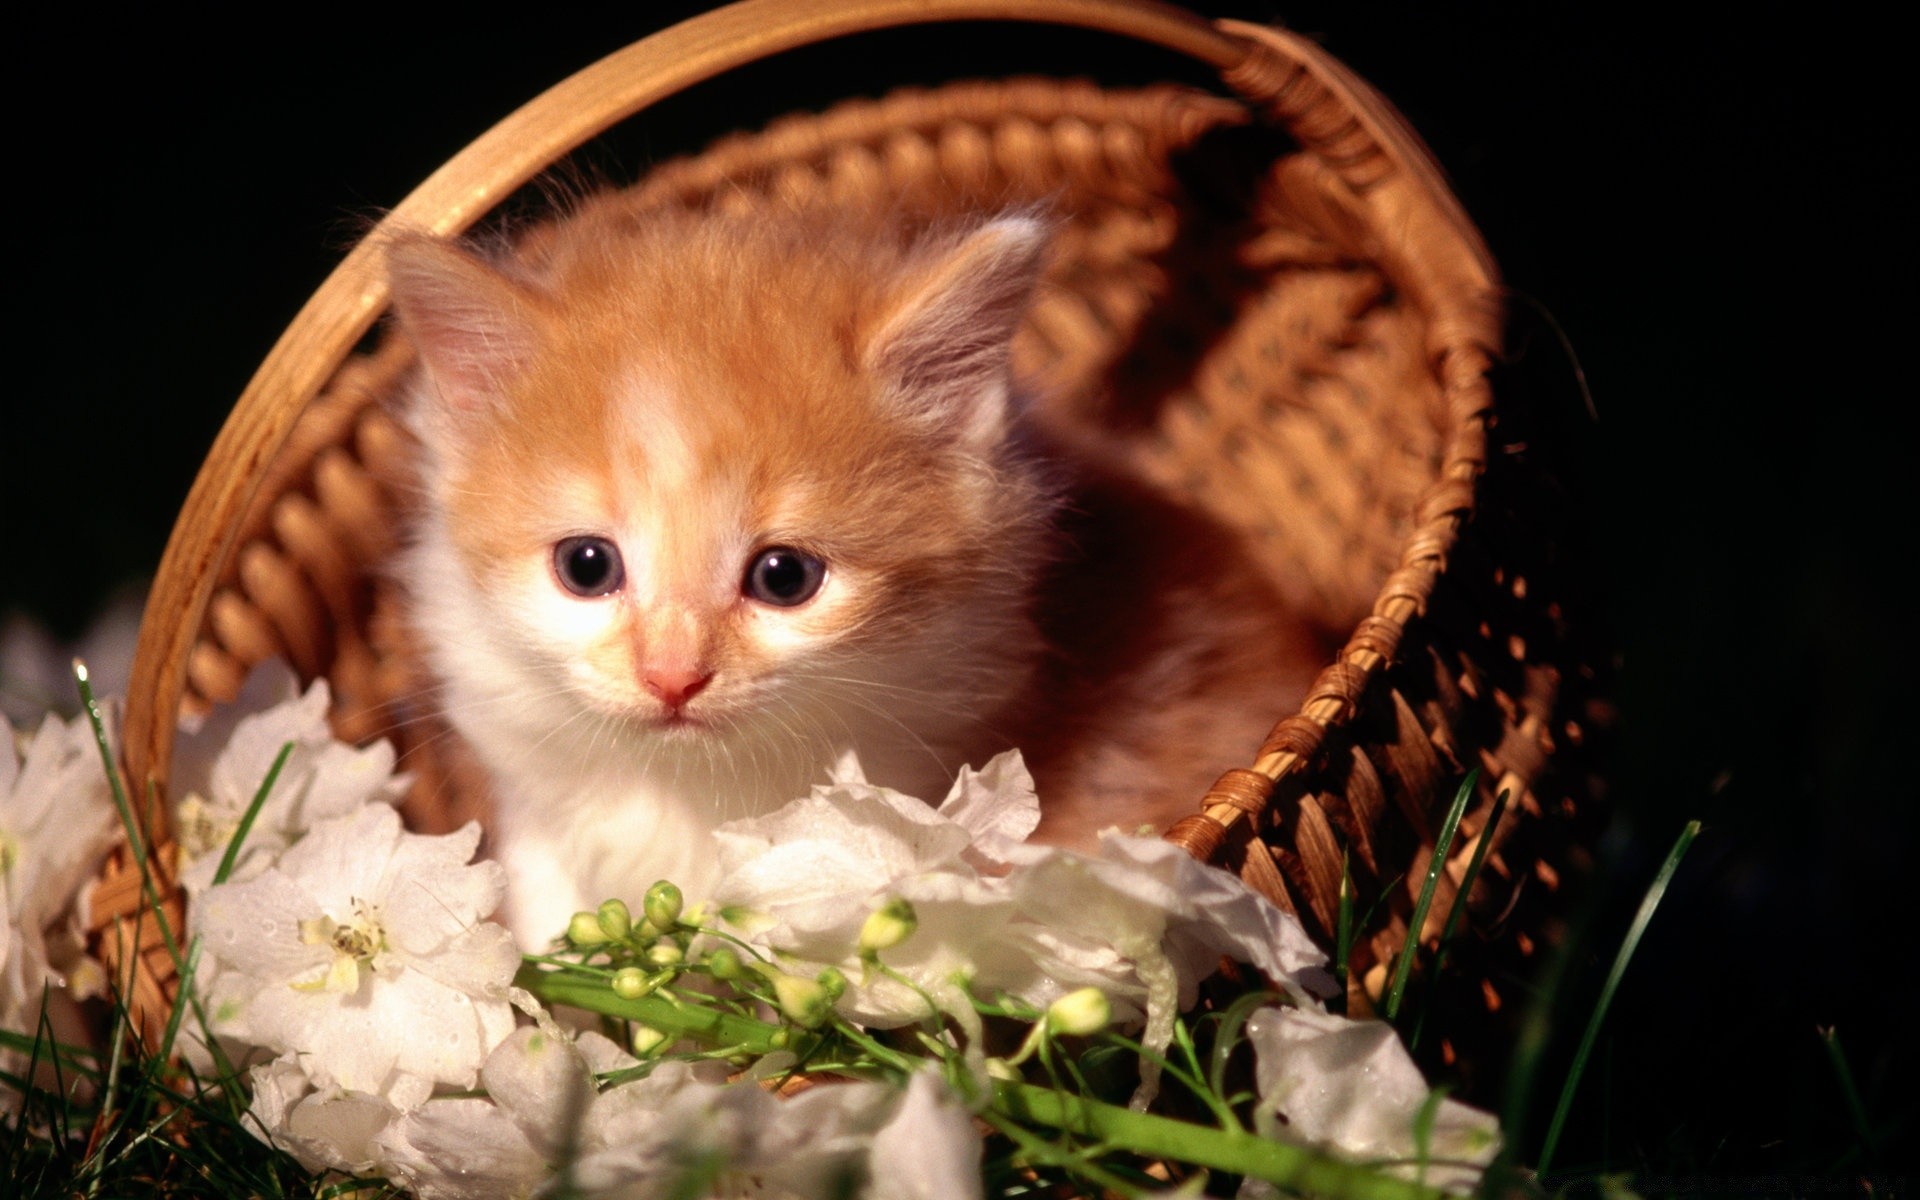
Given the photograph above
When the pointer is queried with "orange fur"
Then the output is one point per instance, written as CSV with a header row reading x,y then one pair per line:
x,y
1169,658
696,388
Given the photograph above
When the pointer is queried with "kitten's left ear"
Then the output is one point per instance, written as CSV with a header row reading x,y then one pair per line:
x,y
943,346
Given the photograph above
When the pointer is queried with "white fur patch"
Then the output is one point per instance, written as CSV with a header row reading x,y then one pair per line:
x,y
650,420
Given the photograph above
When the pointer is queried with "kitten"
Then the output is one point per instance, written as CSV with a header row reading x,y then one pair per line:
x,y
708,500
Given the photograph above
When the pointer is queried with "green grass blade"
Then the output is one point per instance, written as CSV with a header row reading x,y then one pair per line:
x,y
1641,919
1856,1109
253,810
189,968
1403,969
70,1057
1423,1122
1480,848
137,843
1227,1036
187,975
149,893
108,1121
1459,910
136,838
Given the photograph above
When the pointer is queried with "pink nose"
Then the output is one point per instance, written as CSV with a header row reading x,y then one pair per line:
x,y
675,685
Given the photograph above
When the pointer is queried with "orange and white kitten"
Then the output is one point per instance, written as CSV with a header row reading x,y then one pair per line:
x,y
708,501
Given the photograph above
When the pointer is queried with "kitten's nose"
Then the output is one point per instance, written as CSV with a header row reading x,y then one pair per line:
x,y
675,685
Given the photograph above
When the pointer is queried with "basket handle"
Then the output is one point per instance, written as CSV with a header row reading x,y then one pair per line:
x,y
516,150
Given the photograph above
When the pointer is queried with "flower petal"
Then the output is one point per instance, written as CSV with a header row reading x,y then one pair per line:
x,y
1350,1086
462,1149
996,805
324,1130
541,1081
929,1150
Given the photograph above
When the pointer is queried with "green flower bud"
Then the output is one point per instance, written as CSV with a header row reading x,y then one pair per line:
x,y
663,905
665,954
631,983
646,1039
802,1001
1001,1069
725,964
585,930
615,919
888,925
1079,1013
833,983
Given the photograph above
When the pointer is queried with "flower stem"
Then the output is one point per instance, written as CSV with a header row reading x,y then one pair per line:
x,y
1145,1134
681,1020
1151,1136
1040,1150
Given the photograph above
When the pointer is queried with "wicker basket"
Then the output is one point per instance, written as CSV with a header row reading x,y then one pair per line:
x,y
1268,290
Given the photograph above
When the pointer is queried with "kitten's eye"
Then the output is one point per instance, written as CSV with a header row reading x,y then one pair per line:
x,y
588,566
783,576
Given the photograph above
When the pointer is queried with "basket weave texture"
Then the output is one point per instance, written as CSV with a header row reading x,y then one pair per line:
x,y
1268,292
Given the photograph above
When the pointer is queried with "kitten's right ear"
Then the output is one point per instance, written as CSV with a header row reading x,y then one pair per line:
x,y
474,328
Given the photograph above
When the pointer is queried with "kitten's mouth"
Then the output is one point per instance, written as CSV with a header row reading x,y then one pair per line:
x,y
679,721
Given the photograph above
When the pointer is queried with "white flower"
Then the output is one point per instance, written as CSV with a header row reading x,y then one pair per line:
x,y
1349,1086
363,952
56,823
929,1150
223,760
462,1148
540,1087
681,1129
681,1119
1143,922
804,880
683,1126
540,1083
324,1128
1202,913
996,805
805,874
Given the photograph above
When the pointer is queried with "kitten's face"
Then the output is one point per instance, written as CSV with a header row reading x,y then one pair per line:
x,y
702,477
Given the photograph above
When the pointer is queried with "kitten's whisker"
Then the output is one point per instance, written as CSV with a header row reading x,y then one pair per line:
x,y
959,708
868,706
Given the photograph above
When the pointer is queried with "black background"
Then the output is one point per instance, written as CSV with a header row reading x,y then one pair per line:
x,y
1712,206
